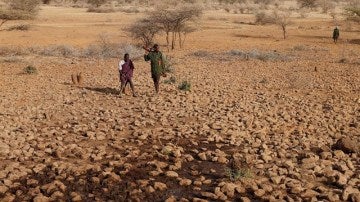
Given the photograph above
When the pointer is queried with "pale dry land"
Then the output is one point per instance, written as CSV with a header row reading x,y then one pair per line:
x,y
249,129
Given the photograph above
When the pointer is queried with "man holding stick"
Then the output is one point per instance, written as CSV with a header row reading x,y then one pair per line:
x,y
157,64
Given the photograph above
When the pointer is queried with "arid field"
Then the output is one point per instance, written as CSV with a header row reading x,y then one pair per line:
x,y
260,122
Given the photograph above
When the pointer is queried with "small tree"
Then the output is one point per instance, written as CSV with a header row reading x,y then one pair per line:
x,y
174,22
181,17
282,19
144,30
19,10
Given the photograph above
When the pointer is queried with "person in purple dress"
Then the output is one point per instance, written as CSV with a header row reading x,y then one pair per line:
x,y
126,69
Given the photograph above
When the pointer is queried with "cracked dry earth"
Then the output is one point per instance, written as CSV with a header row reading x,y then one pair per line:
x,y
235,137
249,130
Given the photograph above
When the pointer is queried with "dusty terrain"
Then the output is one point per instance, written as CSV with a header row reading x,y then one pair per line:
x,y
249,129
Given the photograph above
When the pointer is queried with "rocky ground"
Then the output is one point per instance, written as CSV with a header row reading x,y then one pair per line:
x,y
248,130
276,125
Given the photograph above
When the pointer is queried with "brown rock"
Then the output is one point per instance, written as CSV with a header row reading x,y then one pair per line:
x,y
349,191
202,156
185,182
229,189
160,186
75,196
171,174
209,195
259,192
347,145
41,198
3,189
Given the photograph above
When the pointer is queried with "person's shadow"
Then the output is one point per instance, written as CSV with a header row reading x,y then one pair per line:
x,y
105,90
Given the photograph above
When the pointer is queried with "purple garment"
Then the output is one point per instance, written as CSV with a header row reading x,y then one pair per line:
x,y
127,71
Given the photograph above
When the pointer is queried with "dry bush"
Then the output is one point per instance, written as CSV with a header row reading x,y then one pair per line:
x,y
282,19
12,51
326,5
20,27
353,14
96,3
100,10
263,18
11,59
259,55
129,10
201,53
19,10
307,3
7,15
30,6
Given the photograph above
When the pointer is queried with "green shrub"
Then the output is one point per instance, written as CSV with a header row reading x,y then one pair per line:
x,y
236,174
30,70
171,80
185,86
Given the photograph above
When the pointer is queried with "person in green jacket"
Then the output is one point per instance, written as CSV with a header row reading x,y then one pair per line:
x,y
336,34
157,63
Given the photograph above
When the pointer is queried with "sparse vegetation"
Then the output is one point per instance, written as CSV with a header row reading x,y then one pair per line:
x,y
263,18
169,64
19,10
185,85
30,69
307,3
259,55
236,174
96,3
20,27
171,80
201,53
100,10
353,14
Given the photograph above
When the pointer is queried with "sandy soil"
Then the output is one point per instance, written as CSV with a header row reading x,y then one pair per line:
x,y
249,129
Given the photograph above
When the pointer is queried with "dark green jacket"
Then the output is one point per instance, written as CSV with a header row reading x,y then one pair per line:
x,y
336,33
157,62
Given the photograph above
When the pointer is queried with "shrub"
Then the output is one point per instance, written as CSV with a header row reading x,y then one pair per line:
x,y
21,27
259,55
307,3
353,14
263,18
201,53
11,59
96,3
100,10
130,10
171,80
185,85
7,15
168,64
30,70
19,10
29,6
236,174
